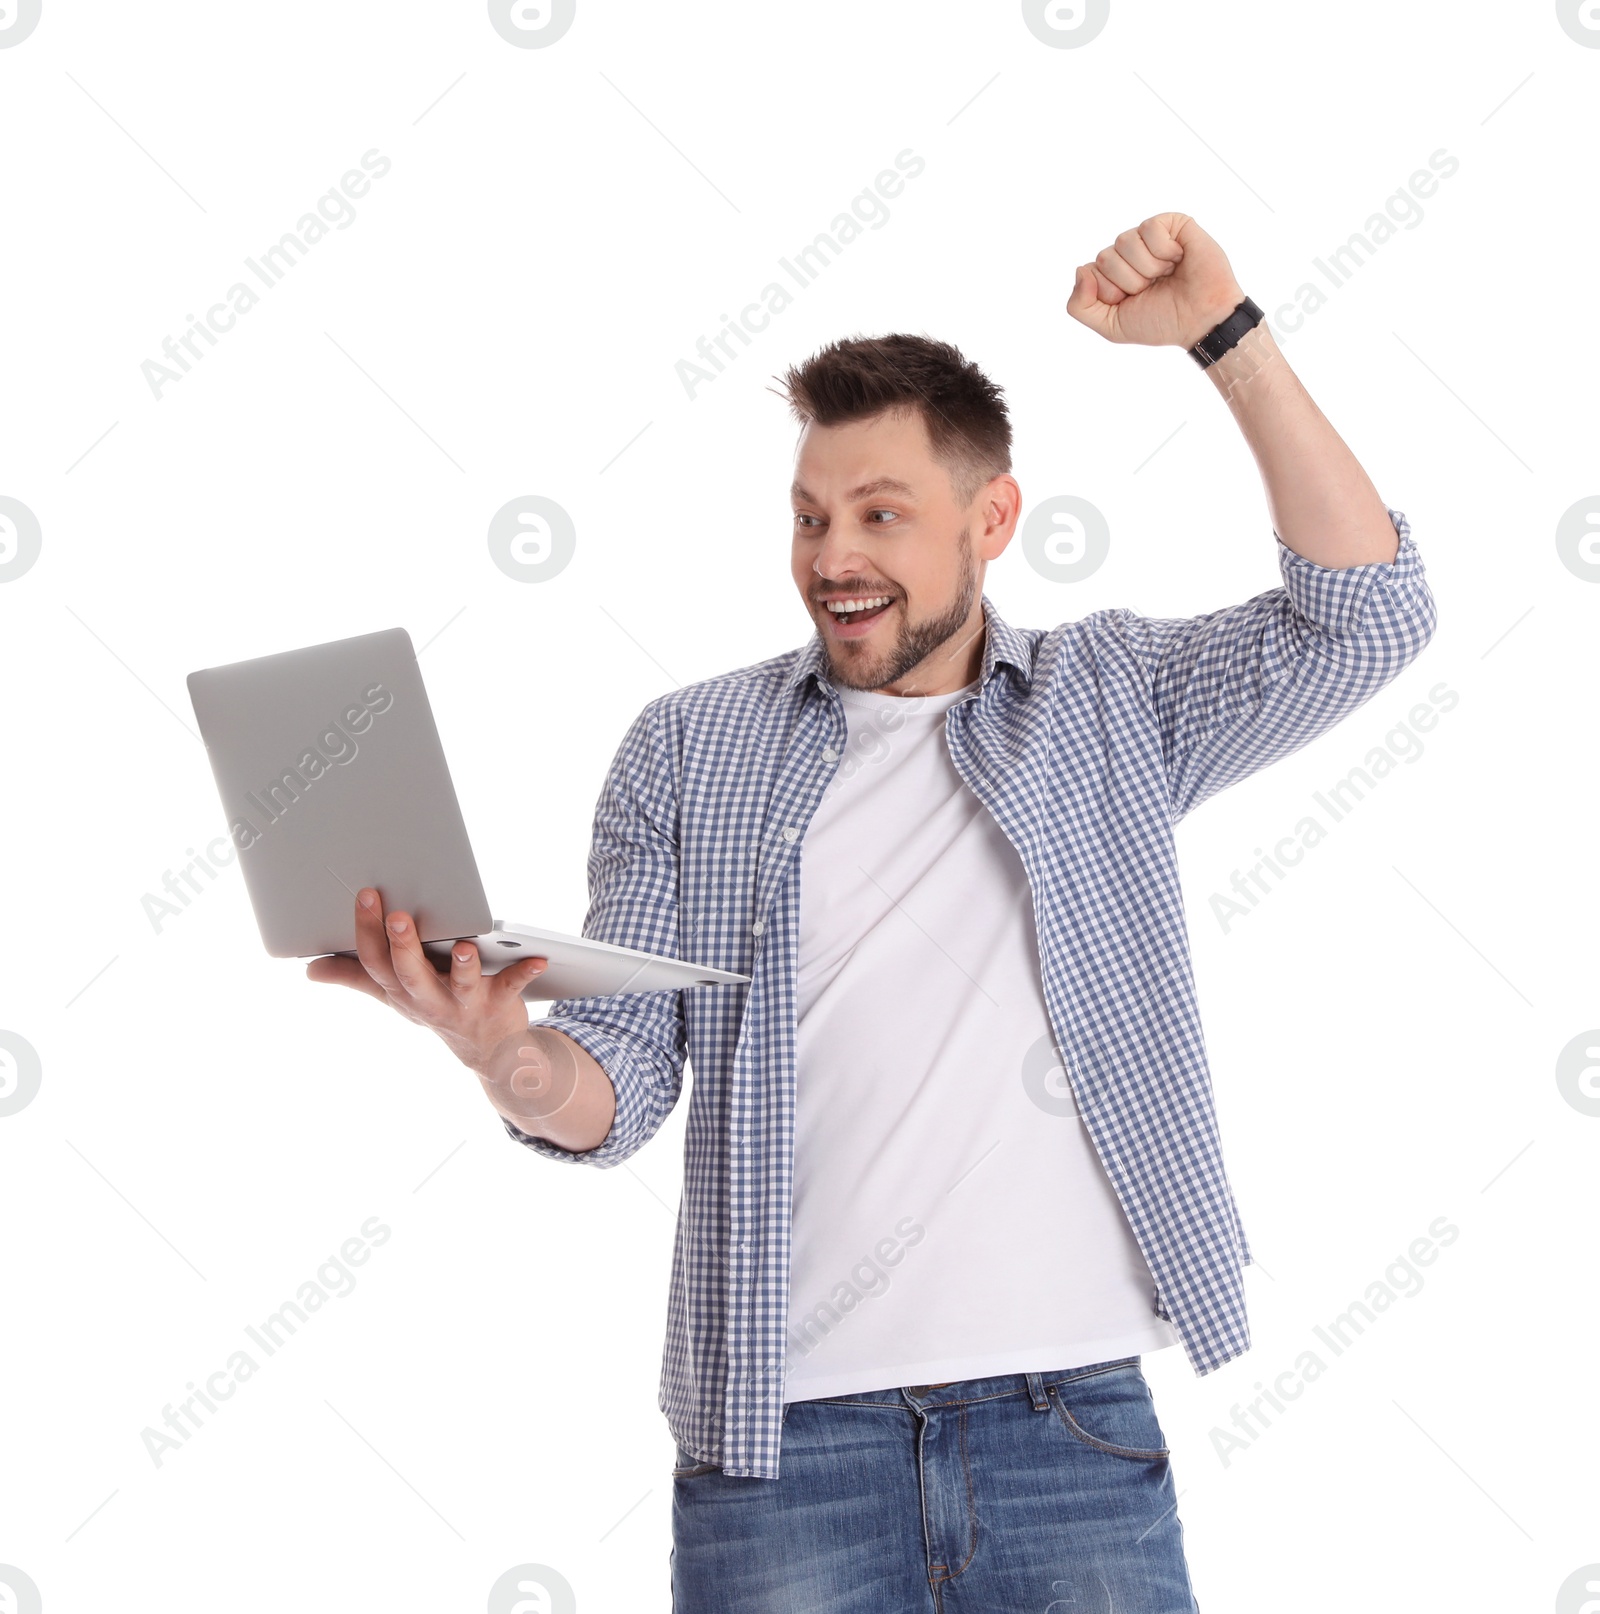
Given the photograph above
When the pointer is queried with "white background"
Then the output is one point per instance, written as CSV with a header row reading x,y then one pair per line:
x,y
503,318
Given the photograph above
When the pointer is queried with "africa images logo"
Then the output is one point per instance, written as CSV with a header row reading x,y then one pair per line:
x,y
1065,24
532,1589
20,538
531,24
1580,20
18,1593
18,19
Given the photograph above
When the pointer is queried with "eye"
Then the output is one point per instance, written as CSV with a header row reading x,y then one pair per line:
x,y
891,514
801,519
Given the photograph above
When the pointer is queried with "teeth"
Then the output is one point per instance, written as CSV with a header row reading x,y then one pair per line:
x,y
844,607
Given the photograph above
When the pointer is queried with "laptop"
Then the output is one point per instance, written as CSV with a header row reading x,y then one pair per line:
x,y
333,778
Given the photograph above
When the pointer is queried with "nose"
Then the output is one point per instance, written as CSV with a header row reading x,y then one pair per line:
x,y
838,559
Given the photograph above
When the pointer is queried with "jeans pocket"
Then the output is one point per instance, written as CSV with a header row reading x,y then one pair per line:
x,y
689,1466
1112,1413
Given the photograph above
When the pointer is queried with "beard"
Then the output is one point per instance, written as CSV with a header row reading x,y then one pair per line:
x,y
914,643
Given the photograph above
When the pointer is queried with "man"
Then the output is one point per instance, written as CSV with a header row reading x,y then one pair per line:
x,y
912,1261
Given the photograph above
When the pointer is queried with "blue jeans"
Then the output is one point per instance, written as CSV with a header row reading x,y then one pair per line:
x,y
1049,1493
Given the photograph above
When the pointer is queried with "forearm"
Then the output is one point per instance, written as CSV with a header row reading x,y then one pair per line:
x,y
1322,503
1167,283
545,1085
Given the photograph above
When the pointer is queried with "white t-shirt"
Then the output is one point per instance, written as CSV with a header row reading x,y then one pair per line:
x,y
951,1217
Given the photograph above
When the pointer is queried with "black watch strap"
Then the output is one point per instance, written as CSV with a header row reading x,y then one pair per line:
x,y
1228,334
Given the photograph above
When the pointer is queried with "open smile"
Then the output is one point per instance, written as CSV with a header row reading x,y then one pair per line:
x,y
853,618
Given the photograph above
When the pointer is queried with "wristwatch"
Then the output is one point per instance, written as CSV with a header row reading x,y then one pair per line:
x,y
1228,334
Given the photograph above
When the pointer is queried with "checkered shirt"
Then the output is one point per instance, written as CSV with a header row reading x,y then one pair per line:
x,y
1087,742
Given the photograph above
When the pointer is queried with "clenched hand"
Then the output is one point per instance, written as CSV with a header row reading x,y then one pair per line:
x,y
1165,283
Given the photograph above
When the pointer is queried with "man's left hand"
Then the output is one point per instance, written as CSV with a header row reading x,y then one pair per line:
x,y
1165,283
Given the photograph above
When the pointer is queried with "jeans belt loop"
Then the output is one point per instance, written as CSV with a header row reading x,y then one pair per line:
x,y
1041,1402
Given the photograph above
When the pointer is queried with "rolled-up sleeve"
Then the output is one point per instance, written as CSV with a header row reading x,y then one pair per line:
x,y
1239,688
638,1038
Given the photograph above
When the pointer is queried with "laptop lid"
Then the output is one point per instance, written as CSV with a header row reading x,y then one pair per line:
x,y
332,777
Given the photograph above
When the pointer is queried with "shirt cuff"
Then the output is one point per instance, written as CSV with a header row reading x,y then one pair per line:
x,y
1334,598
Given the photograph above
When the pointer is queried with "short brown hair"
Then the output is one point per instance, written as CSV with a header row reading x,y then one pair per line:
x,y
964,412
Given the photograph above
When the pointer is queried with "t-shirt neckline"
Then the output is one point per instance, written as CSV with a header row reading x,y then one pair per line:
x,y
876,700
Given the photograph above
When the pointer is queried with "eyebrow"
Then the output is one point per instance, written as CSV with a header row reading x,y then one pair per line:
x,y
882,484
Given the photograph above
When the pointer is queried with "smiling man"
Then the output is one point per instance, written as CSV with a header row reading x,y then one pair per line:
x,y
951,1162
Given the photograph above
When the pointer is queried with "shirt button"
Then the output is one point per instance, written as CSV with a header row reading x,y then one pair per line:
x,y
830,754
758,927
789,832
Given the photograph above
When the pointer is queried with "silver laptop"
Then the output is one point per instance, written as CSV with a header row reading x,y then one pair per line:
x,y
333,778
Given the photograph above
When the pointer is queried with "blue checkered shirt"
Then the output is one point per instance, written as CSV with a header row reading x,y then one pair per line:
x,y
1087,742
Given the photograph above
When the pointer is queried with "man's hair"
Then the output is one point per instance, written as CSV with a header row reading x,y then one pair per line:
x,y
969,429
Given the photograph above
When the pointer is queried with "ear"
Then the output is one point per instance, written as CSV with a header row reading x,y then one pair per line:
x,y
999,506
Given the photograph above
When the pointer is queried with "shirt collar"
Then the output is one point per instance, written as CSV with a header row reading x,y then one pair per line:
x,y
1001,643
